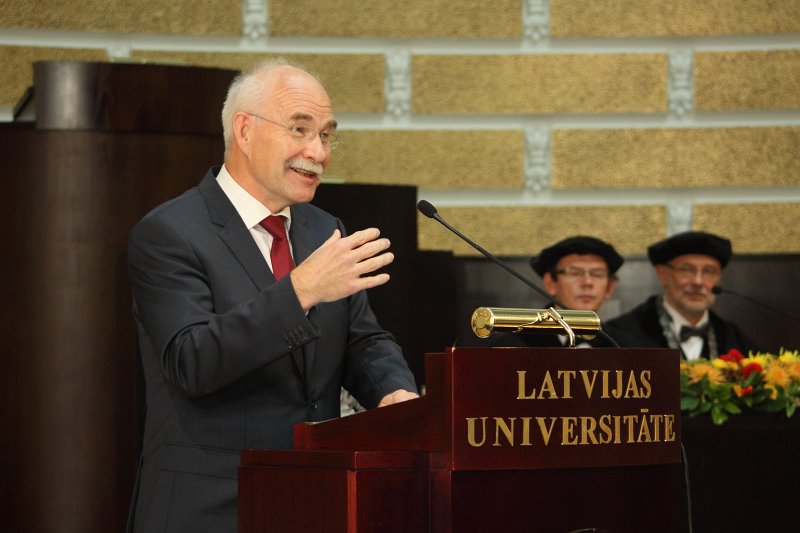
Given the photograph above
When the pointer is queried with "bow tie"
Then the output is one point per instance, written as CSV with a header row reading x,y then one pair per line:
x,y
688,331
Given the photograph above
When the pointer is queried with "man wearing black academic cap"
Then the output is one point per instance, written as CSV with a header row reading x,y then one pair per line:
x,y
688,265
578,272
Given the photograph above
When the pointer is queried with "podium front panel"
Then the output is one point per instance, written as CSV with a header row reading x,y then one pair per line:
x,y
620,500
563,408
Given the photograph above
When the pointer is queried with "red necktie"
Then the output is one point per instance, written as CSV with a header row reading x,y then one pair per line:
x,y
279,254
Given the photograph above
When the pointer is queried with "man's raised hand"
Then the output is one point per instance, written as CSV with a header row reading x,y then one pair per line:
x,y
340,267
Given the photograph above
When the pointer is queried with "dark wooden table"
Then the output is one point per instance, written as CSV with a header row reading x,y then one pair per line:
x,y
744,474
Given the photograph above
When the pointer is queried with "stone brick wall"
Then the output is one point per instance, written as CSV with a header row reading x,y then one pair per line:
x,y
522,120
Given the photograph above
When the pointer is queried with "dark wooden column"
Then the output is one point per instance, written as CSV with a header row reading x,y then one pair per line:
x,y
110,142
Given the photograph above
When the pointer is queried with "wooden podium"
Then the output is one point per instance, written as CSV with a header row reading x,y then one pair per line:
x,y
506,439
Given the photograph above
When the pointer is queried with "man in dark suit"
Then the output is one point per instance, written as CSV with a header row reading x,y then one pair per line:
x,y
579,272
688,265
237,344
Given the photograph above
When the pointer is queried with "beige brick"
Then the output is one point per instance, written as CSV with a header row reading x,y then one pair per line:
x,y
353,81
646,18
521,231
562,83
762,228
16,66
768,79
178,17
468,19
669,158
432,159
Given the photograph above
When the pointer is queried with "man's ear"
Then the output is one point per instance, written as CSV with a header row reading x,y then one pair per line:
x,y
661,272
612,284
549,284
242,131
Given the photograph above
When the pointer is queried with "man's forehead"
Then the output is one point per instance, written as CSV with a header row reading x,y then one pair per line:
x,y
325,120
582,259
294,88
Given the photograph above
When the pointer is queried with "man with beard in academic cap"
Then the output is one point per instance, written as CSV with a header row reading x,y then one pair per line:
x,y
578,272
688,265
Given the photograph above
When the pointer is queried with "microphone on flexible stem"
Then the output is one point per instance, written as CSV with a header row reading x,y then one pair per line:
x,y
427,209
719,290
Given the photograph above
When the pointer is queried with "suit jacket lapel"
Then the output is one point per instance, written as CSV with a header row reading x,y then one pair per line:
x,y
240,242
234,233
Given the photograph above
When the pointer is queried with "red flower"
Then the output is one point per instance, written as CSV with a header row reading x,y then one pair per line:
x,y
733,356
752,367
743,391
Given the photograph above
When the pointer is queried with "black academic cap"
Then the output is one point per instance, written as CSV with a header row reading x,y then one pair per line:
x,y
577,245
690,242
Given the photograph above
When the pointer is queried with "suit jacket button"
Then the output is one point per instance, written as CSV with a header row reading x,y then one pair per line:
x,y
314,405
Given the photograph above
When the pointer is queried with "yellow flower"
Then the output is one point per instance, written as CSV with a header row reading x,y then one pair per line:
x,y
775,387
697,371
776,375
789,357
761,359
773,391
793,369
724,365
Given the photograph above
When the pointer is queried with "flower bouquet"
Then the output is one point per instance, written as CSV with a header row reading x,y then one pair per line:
x,y
734,383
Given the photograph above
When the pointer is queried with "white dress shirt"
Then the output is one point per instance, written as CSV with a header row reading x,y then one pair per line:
x,y
252,212
693,346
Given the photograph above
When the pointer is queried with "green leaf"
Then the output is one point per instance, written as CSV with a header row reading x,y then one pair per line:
x,y
731,408
771,407
760,396
718,416
720,400
750,380
689,403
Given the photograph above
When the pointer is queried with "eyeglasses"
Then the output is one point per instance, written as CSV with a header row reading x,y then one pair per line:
x,y
306,135
688,271
575,273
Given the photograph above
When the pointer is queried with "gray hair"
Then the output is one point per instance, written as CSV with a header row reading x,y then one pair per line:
x,y
247,91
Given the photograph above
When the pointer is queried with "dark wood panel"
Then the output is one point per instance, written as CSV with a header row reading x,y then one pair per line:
x,y
418,303
601,500
69,394
78,95
386,497
743,475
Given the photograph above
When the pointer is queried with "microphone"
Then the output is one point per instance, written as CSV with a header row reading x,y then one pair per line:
x,y
716,289
427,209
